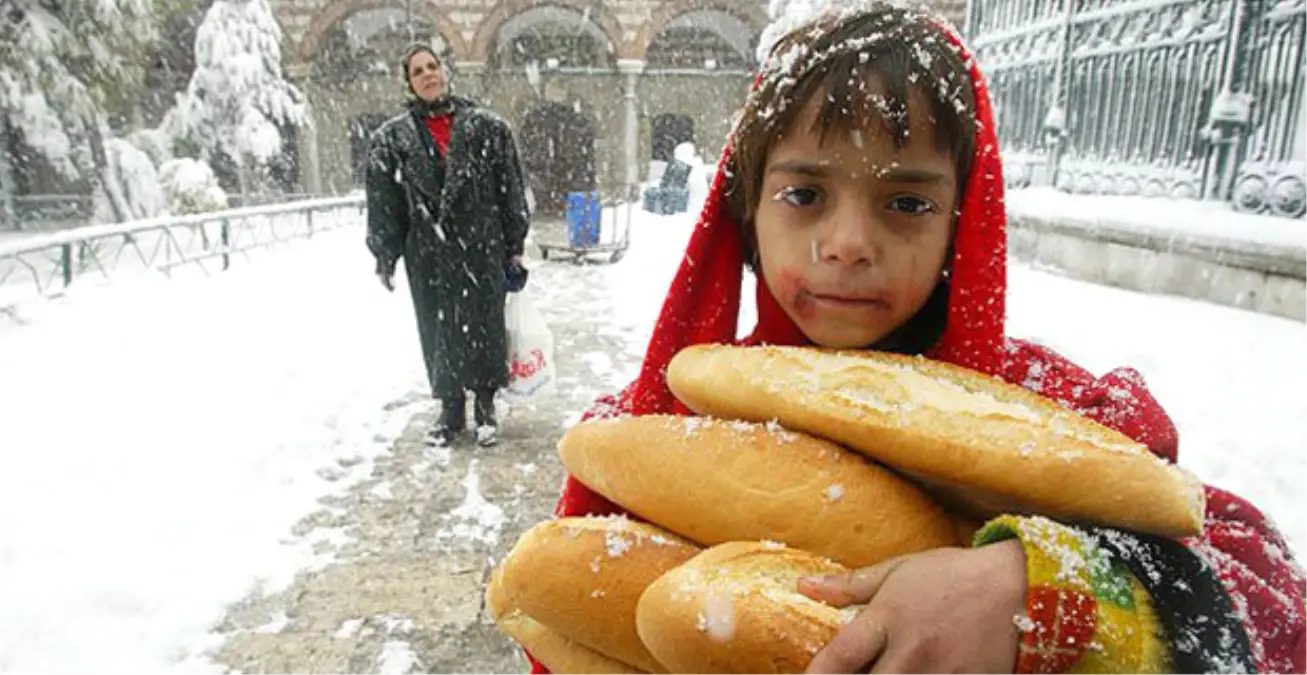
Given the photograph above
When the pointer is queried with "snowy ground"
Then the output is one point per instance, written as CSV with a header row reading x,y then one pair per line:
x,y
161,438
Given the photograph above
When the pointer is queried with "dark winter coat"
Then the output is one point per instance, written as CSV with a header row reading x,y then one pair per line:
x,y
456,221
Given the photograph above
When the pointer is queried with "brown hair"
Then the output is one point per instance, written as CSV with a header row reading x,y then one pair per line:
x,y
834,56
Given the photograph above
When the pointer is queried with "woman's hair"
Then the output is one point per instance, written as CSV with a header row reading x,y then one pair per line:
x,y
837,57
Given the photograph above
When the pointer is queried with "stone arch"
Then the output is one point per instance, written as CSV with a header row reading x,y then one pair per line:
x,y
340,10
488,32
750,14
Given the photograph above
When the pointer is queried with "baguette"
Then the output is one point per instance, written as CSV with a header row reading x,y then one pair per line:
x,y
966,529
555,652
582,578
735,608
713,481
973,440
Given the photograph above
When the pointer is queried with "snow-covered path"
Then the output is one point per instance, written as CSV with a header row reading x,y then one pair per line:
x,y
160,438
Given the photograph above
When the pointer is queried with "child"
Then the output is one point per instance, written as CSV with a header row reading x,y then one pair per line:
x,y
863,186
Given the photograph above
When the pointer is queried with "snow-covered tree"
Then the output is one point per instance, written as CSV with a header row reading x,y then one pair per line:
x,y
131,180
238,98
61,64
189,186
159,142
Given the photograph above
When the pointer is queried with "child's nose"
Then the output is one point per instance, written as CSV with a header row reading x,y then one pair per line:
x,y
850,238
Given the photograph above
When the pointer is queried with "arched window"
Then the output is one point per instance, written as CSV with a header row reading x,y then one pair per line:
x,y
703,40
371,42
551,37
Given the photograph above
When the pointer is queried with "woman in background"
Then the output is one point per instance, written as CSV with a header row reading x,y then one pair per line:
x,y
445,193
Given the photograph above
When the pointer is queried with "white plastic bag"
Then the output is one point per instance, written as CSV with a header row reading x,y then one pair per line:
x,y
530,349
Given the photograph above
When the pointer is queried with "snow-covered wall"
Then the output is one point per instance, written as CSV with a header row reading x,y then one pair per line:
x,y
1193,249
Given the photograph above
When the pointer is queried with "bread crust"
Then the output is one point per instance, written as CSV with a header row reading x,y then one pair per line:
x,y
582,578
555,652
978,443
735,608
713,481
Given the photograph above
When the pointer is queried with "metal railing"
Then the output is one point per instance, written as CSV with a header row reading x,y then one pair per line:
x,y
48,212
238,200
48,264
1198,99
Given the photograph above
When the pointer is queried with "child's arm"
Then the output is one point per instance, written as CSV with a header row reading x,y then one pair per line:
x,y
1119,400
1065,599
1261,577
1109,601
1249,557
1103,600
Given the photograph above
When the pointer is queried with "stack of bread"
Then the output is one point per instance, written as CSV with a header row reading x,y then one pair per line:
x,y
802,462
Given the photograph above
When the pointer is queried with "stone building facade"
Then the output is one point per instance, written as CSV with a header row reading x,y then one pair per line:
x,y
594,89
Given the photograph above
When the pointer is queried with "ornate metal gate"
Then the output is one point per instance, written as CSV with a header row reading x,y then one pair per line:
x,y
1199,99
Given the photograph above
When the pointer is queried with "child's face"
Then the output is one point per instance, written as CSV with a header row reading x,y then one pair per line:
x,y
853,233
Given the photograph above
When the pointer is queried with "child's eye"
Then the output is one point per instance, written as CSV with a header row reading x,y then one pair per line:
x,y
911,205
798,196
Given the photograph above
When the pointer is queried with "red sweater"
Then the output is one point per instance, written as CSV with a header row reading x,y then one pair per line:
x,y
439,126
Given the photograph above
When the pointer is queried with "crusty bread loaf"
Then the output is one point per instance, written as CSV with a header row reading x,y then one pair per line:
x,y
713,481
582,578
557,653
966,528
978,442
735,608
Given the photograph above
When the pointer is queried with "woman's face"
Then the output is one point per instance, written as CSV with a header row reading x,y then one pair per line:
x,y
853,233
426,76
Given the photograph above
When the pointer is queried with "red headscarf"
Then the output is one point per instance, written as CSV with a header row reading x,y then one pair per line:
x,y
703,303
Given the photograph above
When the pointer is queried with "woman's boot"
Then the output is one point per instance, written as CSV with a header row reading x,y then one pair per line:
x,y
452,421
487,427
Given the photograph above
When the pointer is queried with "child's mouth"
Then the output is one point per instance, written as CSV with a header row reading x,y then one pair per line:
x,y
847,302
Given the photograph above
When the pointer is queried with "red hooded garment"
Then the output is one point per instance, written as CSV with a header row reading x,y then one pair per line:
x,y
702,306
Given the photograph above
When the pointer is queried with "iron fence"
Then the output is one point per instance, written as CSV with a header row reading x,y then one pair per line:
x,y
47,264
1197,99
48,212
45,212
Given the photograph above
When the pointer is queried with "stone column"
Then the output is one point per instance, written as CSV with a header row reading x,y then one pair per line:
x,y
8,213
631,69
311,168
309,163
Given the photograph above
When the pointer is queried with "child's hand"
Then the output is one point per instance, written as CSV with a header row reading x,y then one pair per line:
x,y
943,611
